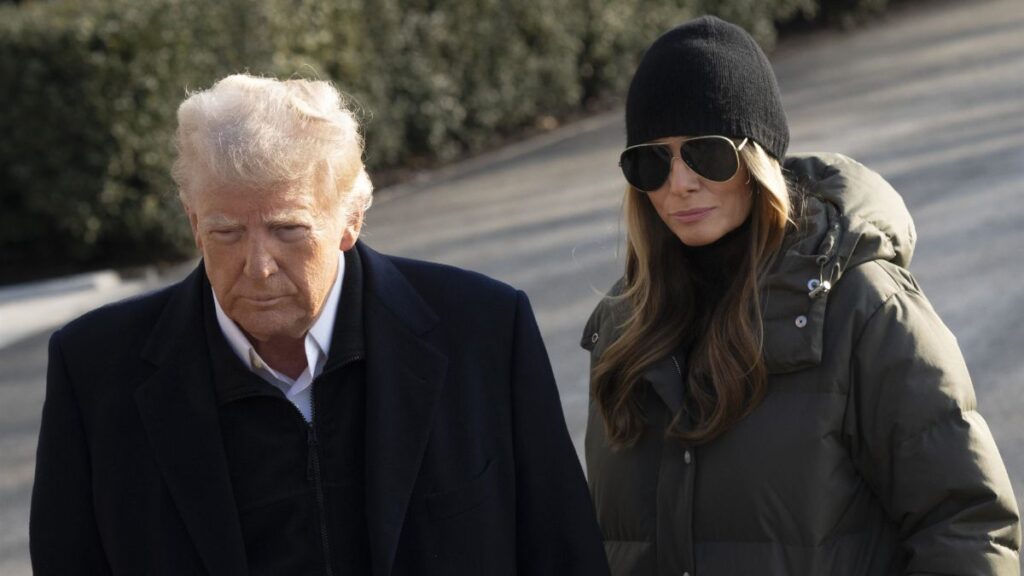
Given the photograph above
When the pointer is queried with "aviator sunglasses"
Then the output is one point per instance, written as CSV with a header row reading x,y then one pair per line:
x,y
647,166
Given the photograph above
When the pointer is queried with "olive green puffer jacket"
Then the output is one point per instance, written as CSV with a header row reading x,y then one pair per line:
x,y
865,458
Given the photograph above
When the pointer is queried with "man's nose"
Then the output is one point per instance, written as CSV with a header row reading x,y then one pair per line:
x,y
682,178
259,262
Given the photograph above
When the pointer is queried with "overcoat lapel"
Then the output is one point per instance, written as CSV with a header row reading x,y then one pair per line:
x,y
179,411
405,368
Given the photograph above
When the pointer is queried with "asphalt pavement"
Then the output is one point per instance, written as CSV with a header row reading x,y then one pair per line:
x,y
932,97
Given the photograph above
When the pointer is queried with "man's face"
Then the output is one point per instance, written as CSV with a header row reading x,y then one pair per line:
x,y
271,254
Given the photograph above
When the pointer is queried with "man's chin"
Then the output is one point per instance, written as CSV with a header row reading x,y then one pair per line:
x,y
265,329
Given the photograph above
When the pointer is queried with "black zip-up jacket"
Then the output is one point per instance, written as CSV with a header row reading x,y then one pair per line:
x,y
298,486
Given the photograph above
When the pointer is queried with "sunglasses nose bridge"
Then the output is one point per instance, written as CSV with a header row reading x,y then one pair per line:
x,y
676,152
682,177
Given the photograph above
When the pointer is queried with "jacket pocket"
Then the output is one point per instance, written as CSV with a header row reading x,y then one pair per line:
x,y
453,502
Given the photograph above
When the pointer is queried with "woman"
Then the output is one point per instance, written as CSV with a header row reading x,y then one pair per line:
x,y
771,391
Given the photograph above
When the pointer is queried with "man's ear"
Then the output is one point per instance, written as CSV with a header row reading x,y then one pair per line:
x,y
352,229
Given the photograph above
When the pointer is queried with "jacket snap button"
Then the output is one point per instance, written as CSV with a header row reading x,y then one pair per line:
x,y
801,321
813,283
594,338
687,458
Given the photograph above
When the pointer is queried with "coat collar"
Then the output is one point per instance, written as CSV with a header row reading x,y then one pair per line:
x,y
405,368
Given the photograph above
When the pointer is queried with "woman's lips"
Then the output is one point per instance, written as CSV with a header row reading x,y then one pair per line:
x,y
689,216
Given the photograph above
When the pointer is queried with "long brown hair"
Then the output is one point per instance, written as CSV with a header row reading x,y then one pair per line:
x,y
726,377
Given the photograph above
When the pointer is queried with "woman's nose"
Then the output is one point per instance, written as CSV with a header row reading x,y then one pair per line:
x,y
682,178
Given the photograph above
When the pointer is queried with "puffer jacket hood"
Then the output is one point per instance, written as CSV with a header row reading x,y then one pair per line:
x,y
847,215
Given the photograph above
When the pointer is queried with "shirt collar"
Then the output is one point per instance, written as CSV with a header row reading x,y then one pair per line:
x,y
317,341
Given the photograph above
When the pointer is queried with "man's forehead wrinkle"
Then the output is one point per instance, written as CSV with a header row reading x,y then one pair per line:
x,y
298,214
219,219
284,216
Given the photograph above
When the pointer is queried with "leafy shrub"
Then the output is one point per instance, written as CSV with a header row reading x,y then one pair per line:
x,y
89,117
92,86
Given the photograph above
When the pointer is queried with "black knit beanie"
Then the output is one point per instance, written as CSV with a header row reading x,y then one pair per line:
x,y
706,76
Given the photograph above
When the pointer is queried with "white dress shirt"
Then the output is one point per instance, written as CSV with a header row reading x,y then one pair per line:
x,y
318,344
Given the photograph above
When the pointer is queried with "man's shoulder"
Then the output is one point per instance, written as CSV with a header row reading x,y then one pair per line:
x,y
452,293
423,273
123,321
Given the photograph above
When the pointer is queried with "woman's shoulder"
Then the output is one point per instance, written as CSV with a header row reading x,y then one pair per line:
x,y
866,289
874,282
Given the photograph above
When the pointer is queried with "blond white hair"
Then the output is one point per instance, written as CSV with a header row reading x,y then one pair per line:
x,y
257,132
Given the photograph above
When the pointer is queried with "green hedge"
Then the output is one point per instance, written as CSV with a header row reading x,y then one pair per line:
x,y
92,86
88,120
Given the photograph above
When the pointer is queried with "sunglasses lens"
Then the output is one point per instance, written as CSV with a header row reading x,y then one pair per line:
x,y
646,167
712,158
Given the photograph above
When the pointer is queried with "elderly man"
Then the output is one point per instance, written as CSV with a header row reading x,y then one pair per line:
x,y
301,404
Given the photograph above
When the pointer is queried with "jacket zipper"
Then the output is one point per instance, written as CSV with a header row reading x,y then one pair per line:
x,y
313,469
313,473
